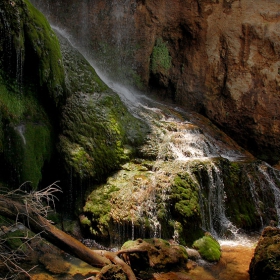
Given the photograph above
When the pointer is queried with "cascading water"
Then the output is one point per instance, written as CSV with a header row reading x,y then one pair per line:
x,y
179,142
184,143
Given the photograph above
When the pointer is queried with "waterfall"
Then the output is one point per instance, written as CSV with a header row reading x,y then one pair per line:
x,y
180,142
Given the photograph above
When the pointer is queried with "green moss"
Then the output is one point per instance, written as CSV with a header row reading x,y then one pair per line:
x,y
208,248
185,208
14,240
29,49
240,206
37,150
30,64
160,58
97,209
26,141
98,132
185,197
46,52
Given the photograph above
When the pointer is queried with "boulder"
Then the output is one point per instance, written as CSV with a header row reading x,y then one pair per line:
x,y
208,248
155,255
266,260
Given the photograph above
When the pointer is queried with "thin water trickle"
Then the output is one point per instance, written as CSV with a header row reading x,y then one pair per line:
x,y
270,175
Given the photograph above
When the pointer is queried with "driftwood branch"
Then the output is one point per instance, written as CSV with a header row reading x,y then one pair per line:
x,y
38,224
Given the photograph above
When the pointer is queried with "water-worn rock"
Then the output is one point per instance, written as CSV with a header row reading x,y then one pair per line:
x,y
266,260
158,255
98,133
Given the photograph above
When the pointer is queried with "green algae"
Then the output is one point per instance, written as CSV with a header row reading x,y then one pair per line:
x,y
160,58
208,248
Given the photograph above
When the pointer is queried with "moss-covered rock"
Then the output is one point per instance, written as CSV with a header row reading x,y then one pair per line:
x,y
185,207
30,72
97,211
208,248
266,260
98,132
160,58
26,140
29,49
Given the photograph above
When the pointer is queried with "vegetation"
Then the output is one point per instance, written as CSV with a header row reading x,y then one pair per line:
x,y
30,71
26,135
208,248
97,209
98,132
160,58
186,208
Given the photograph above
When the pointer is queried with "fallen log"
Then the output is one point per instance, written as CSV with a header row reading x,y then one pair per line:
x,y
38,224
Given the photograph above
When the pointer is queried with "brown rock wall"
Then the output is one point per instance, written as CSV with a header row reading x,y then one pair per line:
x,y
224,56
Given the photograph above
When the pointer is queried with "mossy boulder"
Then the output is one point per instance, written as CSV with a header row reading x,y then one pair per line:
x,y
208,248
185,207
157,256
265,263
98,132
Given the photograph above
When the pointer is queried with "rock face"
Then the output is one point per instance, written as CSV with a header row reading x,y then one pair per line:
x,y
30,72
265,263
220,58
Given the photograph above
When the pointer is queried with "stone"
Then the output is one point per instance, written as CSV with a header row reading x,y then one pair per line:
x,y
265,263
157,256
208,248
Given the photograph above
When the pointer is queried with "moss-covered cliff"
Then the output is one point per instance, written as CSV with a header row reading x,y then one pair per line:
x,y
46,95
30,72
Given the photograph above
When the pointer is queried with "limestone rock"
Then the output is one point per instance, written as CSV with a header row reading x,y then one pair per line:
x,y
158,255
266,261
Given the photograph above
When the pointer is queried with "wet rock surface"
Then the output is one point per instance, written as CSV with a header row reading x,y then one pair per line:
x,y
266,260
157,256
